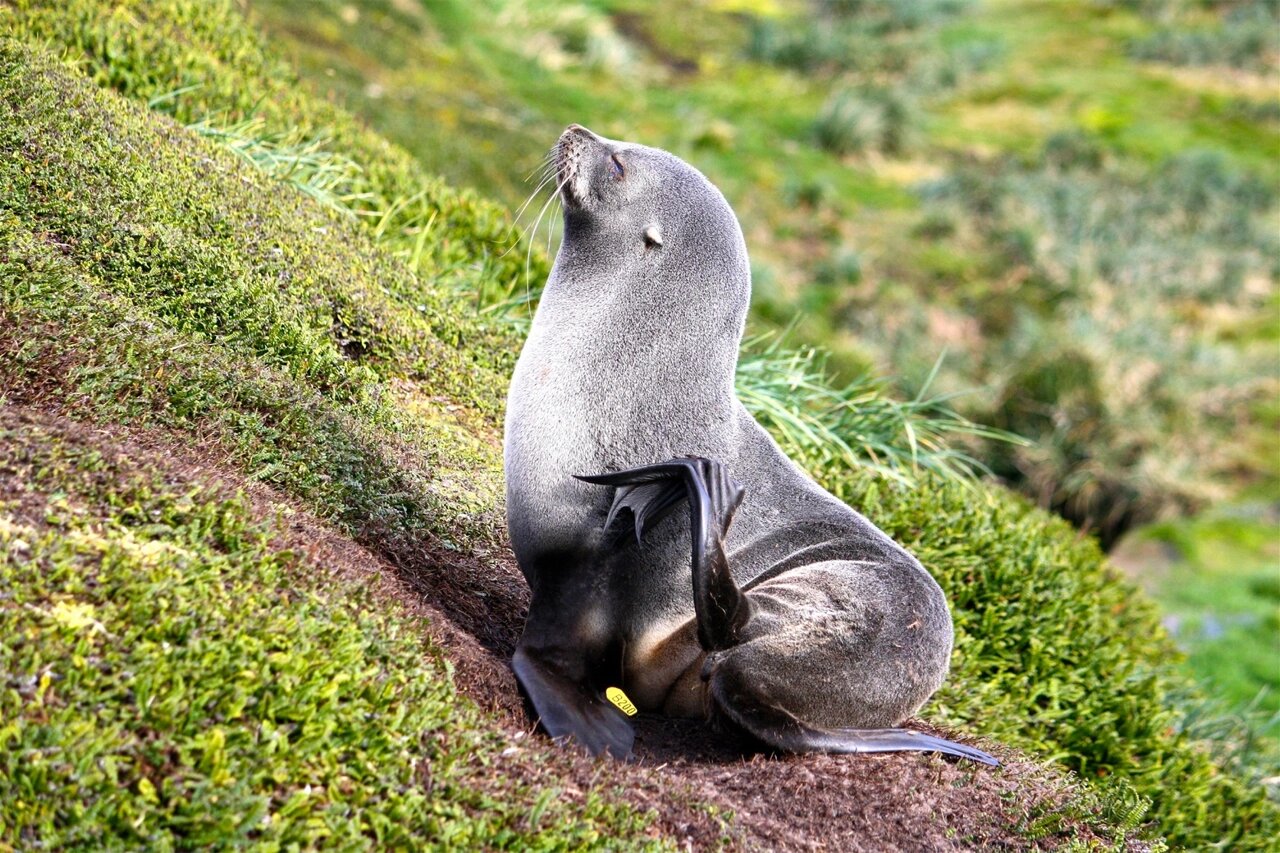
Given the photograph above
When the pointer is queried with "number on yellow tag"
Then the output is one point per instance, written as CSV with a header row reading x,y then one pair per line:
x,y
620,700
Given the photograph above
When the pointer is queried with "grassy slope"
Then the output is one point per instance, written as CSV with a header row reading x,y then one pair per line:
x,y
102,541
1219,587
855,226
1053,654
497,94
969,240
1067,68
180,679
497,103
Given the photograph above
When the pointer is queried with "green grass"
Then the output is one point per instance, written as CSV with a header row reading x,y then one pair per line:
x,y
213,302
1246,36
153,276
495,106
1075,361
172,312
855,426
1067,67
175,679
1218,580
205,68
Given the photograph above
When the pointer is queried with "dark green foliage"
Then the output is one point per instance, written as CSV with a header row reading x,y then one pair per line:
x,y
867,120
1073,149
843,269
1056,656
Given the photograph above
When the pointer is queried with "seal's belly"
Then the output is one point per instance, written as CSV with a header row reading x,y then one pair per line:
x,y
661,667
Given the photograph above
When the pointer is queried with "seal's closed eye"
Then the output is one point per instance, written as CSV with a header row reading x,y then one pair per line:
x,y
618,171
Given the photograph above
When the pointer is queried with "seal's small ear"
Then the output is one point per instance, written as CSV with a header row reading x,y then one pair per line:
x,y
653,235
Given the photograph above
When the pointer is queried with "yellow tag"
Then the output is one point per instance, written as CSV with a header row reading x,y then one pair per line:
x,y
618,698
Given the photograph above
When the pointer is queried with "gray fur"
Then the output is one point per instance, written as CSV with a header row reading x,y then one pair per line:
x,y
630,361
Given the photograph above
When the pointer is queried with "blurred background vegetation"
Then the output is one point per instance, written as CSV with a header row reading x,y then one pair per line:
x,y
1075,206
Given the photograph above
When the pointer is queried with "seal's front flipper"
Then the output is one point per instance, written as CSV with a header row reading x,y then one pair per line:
x,y
652,490
781,730
648,503
570,710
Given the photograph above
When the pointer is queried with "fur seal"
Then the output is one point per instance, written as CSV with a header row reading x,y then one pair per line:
x,y
796,620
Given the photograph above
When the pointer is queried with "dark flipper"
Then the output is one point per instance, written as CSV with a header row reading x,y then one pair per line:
x,y
651,491
649,503
572,710
779,729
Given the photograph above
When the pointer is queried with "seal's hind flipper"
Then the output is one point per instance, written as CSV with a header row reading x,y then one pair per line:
x,y
897,740
883,740
721,608
782,730
569,710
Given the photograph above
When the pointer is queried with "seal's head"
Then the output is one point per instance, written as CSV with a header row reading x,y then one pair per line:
x,y
646,219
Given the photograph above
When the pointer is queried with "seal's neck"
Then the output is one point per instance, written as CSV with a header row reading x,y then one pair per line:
x,y
625,328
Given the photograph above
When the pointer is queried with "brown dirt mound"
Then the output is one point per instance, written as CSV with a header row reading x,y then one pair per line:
x,y
705,788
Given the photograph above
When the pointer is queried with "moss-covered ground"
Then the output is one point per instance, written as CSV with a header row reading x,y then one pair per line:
x,y
178,677
173,678
153,277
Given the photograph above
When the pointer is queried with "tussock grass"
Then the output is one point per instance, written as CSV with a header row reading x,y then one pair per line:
x,y
857,425
1126,373
855,122
1239,35
849,35
306,163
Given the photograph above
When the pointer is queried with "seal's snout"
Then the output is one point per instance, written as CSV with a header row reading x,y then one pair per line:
x,y
571,177
579,130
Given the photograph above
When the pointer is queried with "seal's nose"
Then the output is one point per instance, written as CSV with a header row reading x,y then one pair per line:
x,y
579,130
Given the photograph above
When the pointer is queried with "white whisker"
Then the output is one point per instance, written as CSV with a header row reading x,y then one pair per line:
x,y
542,182
548,176
528,252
